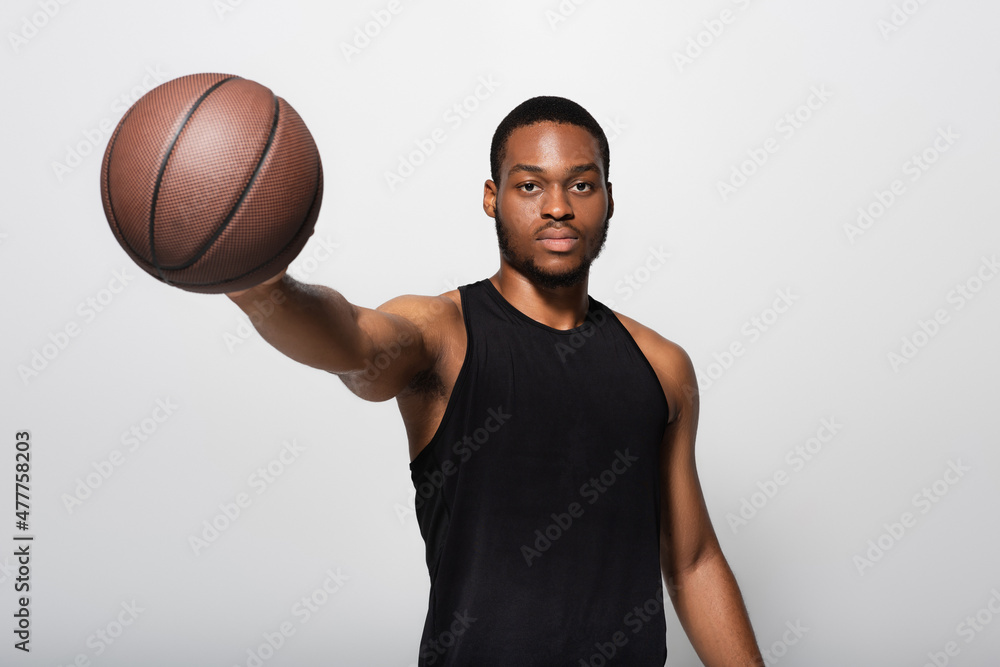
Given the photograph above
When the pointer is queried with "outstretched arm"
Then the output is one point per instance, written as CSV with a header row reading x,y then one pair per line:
x,y
317,326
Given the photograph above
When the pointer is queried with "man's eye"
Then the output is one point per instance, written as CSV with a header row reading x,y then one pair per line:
x,y
583,187
528,187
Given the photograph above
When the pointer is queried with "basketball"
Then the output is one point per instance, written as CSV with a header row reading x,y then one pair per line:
x,y
211,183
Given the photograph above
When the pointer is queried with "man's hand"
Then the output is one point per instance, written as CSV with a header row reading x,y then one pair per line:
x,y
269,281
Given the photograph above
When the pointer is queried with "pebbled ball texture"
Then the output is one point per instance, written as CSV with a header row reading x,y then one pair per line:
x,y
211,183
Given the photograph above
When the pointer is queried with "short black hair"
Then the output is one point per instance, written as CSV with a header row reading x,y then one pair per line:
x,y
538,110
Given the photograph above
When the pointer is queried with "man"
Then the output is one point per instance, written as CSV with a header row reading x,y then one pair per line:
x,y
551,439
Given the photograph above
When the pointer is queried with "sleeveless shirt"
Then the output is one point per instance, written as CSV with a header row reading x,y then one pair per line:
x,y
538,496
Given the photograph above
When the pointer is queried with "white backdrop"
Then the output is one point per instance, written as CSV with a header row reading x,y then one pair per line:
x,y
819,175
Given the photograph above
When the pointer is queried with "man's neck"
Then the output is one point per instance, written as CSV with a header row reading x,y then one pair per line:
x,y
559,308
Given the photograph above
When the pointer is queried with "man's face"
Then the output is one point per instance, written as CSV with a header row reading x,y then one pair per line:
x,y
552,184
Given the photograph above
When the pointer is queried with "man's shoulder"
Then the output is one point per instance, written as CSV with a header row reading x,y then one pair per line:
x,y
438,318
669,360
667,353
425,309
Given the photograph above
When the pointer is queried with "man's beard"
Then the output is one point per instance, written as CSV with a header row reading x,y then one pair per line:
x,y
526,265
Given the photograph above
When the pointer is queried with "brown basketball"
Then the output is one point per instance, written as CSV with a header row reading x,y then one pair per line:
x,y
211,183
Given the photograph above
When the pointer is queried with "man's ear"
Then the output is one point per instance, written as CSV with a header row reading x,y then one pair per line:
x,y
611,201
490,198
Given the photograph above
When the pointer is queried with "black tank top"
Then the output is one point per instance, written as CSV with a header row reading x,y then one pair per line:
x,y
538,496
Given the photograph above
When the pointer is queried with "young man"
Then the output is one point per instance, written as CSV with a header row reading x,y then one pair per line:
x,y
551,439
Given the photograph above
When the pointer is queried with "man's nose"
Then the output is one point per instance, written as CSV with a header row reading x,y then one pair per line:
x,y
556,205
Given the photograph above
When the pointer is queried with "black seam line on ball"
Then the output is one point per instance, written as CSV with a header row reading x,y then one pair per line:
x,y
239,202
133,253
163,169
319,184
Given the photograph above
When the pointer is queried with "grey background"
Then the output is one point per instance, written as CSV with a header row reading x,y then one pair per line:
x,y
678,129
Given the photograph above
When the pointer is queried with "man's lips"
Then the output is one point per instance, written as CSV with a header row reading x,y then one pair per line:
x,y
559,244
558,239
556,234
